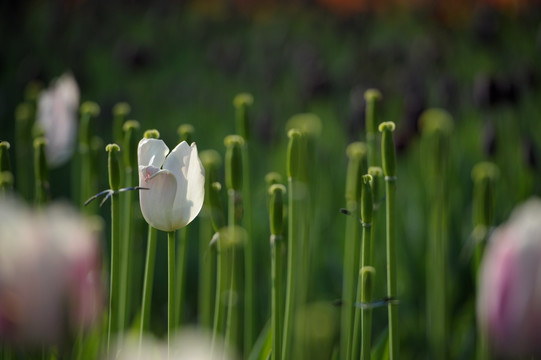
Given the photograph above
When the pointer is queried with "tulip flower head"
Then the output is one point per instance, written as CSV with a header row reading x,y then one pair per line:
x,y
509,302
57,116
174,182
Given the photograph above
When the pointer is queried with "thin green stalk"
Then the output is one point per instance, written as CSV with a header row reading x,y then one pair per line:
x,y
390,190
234,182
276,273
130,166
40,171
436,126
127,211
148,281
232,319
211,161
367,208
114,286
207,272
484,175
293,169
88,111
276,218
389,169
372,98
24,117
367,276
249,268
181,266
170,286
290,282
220,289
241,103
114,181
357,166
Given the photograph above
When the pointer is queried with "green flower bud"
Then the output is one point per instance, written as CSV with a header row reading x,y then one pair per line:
x,y
114,166
40,160
212,161
308,123
5,164
484,176
357,166
152,134
372,97
367,203
131,138
6,180
276,212
185,133
88,110
242,102
377,173
233,162
368,274
294,153
388,151
120,113
32,90
216,209
273,178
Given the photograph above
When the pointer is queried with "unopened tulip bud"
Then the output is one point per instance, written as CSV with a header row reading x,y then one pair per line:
x,y
242,102
388,151
233,162
294,153
130,128
120,113
185,133
367,204
114,166
276,193
357,166
152,134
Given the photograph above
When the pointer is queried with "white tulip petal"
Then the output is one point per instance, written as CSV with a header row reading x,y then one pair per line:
x,y
151,152
157,201
184,163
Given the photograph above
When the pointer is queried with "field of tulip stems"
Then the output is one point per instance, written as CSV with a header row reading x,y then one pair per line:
x,y
421,240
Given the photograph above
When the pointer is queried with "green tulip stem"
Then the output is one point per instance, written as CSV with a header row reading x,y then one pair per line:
x,y
218,321
148,281
181,266
232,319
276,275
114,181
127,212
170,286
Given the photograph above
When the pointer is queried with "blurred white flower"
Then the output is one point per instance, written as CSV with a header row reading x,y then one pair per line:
x,y
50,274
175,192
57,117
509,300
188,343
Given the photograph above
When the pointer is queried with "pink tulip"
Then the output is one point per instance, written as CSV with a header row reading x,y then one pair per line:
x,y
509,302
50,274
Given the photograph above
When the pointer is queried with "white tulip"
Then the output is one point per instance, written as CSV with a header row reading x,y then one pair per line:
x,y
57,116
175,183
